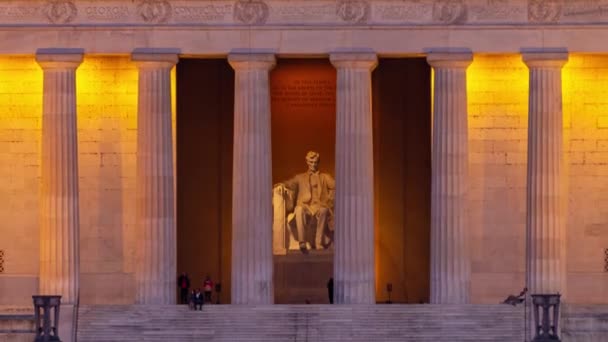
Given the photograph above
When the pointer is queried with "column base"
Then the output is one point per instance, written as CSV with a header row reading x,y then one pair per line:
x,y
67,322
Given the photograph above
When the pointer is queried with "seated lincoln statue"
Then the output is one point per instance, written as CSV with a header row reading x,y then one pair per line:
x,y
309,222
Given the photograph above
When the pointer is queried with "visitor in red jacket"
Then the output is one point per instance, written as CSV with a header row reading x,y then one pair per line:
x,y
207,288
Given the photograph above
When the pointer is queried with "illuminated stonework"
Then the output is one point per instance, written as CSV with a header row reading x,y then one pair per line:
x,y
334,12
497,95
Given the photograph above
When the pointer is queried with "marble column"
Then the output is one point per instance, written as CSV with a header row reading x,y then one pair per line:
x,y
156,262
252,268
354,275
545,236
59,210
450,261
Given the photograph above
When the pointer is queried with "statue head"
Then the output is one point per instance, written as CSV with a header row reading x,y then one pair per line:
x,y
312,159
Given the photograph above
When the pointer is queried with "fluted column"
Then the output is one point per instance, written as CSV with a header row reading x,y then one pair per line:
x,y
252,180
450,263
59,216
354,274
156,261
545,237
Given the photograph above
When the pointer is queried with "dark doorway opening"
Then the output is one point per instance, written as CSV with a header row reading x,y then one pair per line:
x,y
401,99
303,104
204,120
401,90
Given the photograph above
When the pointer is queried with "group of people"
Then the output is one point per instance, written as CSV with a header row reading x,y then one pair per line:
x,y
195,298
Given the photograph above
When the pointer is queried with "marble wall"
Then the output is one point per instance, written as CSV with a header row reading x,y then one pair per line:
x,y
497,95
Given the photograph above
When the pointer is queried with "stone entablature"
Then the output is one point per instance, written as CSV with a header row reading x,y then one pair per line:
x,y
391,28
302,12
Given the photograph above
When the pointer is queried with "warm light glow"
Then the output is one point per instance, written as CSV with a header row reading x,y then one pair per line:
x,y
497,86
20,93
584,85
107,93
20,123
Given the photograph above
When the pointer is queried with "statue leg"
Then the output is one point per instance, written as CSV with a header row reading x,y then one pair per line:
x,y
300,214
321,220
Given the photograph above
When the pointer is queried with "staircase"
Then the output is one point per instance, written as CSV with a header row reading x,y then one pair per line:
x,y
300,323
16,325
585,323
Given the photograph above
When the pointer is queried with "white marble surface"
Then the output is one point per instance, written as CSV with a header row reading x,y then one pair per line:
x,y
157,255
309,12
252,281
450,256
390,27
354,267
545,234
59,209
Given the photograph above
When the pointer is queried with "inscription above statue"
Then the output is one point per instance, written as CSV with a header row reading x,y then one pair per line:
x,y
303,210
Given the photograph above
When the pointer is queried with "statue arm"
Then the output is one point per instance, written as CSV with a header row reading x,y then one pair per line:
x,y
331,187
291,184
331,183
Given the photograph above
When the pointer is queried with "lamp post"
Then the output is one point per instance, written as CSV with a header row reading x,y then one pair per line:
x,y
389,289
46,314
546,317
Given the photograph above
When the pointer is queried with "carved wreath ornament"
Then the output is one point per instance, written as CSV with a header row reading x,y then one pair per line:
x,y
353,11
251,12
544,11
154,11
449,11
60,11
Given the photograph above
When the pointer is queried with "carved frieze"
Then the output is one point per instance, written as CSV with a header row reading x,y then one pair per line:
x,y
312,11
450,11
353,11
544,11
203,12
60,11
304,12
251,12
107,12
587,9
154,11
21,13
496,11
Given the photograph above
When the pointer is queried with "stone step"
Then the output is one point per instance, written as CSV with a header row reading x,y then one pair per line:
x,y
16,323
16,326
350,323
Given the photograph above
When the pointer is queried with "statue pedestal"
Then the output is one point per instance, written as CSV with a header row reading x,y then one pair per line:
x,y
299,277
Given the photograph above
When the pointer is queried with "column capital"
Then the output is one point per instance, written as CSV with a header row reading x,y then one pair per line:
x,y
59,58
545,58
362,59
155,58
449,59
249,60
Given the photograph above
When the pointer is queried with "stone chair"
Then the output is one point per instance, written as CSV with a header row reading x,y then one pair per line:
x,y
284,229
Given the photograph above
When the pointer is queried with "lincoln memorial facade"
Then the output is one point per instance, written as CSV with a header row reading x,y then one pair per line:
x,y
462,146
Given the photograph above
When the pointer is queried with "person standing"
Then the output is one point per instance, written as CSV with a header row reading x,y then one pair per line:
x,y
207,288
330,290
198,300
183,282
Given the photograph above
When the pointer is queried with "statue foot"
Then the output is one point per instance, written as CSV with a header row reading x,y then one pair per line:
x,y
303,248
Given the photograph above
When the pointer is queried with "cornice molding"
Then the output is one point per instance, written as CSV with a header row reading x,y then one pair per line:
x,y
260,13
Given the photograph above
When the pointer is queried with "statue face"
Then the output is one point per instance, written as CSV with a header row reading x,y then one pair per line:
x,y
313,164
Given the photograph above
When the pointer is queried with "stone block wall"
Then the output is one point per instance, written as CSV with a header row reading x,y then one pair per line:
x,y
107,143
497,99
586,123
107,129
497,94
20,135
107,126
